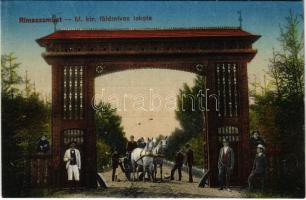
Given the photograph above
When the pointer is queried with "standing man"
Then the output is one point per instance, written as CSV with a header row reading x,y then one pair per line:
x,y
179,160
189,161
72,158
255,140
259,167
141,143
225,164
115,163
43,145
131,145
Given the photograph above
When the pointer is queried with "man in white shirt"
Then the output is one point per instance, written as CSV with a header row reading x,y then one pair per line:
x,y
72,158
225,164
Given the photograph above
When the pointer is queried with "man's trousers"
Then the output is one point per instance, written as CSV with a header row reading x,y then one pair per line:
x,y
179,168
224,176
73,173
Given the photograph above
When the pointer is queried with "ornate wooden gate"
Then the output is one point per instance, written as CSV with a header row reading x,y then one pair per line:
x,y
219,54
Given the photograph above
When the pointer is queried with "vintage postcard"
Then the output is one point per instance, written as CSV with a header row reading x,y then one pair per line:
x,y
162,99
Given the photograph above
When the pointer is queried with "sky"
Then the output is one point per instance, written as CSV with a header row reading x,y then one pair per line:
x,y
263,18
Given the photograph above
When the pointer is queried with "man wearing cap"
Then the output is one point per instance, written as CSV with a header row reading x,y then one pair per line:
x,y
259,167
256,139
43,145
141,143
179,160
225,164
72,158
131,145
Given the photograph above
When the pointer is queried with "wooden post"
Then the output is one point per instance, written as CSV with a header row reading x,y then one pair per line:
x,y
56,124
90,145
211,123
245,159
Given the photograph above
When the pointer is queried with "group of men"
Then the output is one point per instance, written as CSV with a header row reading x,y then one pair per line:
x,y
179,161
179,158
226,161
131,145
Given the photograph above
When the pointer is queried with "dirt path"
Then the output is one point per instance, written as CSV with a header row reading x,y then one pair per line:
x,y
124,188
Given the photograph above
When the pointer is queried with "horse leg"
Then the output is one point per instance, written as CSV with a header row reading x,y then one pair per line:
x,y
152,172
161,172
133,170
144,173
137,172
155,170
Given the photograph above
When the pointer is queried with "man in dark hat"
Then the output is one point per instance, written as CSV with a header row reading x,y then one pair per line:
x,y
225,164
179,160
189,161
131,145
43,145
259,167
141,143
72,158
256,139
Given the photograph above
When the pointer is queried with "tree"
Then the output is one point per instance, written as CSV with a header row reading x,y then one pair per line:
x,y
9,76
104,155
109,129
24,120
190,115
279,111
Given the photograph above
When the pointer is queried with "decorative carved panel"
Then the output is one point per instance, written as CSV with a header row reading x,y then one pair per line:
x,y
227,89
73,135
73,92
230,133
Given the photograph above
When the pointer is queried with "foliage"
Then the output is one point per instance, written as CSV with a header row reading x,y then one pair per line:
x,y
24,120
10,79
104,152
279,112
197,146
174,142
190,116
265,194
109,129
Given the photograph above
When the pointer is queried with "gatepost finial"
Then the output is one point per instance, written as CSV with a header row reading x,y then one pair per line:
x,y
54,21
240,19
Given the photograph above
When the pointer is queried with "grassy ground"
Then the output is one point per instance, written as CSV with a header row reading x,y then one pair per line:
x,y
266,194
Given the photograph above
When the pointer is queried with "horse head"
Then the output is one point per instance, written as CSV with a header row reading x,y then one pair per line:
x,y
150,145
164,142
161,146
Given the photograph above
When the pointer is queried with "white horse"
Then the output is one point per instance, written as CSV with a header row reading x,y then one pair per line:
x,y
143,157
158,152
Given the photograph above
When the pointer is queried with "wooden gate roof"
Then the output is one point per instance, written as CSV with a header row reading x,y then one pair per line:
x,y
147,34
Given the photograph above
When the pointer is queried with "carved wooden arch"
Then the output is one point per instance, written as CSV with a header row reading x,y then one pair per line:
x,y
98,52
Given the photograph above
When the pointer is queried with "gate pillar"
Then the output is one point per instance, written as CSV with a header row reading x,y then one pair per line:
x,y
73,119
246,160
211,125
227,116
90,148
56,122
